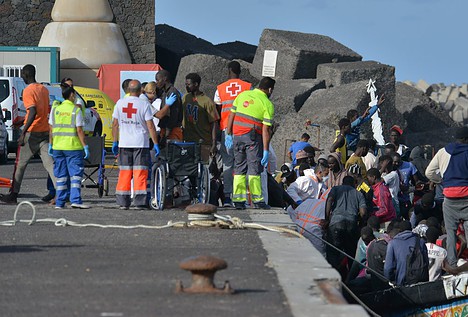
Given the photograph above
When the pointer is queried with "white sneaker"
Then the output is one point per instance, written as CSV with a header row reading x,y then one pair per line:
x,y
80,206
59,207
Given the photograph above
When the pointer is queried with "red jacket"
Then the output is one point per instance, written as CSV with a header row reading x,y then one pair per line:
x,y
383,202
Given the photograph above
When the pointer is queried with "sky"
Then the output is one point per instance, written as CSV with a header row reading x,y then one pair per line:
x,y
423,39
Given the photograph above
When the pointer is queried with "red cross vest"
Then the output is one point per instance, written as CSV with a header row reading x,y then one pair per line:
x,y
227,92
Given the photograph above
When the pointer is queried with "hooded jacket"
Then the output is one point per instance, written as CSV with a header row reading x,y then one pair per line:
x,y
397,252
338,180
455,178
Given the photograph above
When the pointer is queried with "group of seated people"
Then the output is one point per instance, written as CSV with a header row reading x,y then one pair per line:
x,y
374,206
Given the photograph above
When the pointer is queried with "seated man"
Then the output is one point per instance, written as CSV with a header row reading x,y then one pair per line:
x,y
406,261
309,186
436,254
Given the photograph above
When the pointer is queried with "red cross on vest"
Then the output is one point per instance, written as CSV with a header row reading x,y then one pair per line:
x,y
129,110
233,89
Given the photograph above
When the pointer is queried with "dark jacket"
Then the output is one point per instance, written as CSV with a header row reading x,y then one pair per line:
x,y
397,252
175,115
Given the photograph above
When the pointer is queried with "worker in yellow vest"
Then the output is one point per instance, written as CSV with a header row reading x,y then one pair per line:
x,y
250,121
224,97
67,146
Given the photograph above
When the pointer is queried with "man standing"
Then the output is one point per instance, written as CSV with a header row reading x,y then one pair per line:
x,y
340,145
224,97
297,146
250,118
171,113
344,204
34,137
200,116
132,123
383,205
450,165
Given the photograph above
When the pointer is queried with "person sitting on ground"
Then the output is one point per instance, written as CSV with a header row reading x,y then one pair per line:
x,y
356,157
383,206
344,205
299,145
367,235
396,268
424,209
309,218
339,145
436,254
310,186
353,137
337,170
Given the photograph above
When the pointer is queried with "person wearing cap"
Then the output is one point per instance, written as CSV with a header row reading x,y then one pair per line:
x,y
450,166
395,138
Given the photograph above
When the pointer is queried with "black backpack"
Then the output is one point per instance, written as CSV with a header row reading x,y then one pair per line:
x,y
417,266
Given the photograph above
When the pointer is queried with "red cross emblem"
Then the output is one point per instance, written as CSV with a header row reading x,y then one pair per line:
x,y
233,89
130,111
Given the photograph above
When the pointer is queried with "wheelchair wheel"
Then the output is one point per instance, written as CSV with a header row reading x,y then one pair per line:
x,y
203,190
157,202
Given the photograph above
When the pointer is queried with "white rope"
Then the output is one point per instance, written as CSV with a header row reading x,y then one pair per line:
x,y
195,220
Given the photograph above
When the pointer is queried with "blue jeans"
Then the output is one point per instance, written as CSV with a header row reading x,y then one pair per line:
x,y
68,164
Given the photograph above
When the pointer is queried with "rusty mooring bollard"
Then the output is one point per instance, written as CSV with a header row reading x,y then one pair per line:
x,y
203,269
201,212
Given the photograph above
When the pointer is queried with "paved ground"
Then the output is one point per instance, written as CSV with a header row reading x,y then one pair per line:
x,y
70,271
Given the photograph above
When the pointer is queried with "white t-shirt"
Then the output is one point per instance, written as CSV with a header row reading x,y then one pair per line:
x,y
79,119
132,113
393,182
155,107
369,160
217,99
305,187
436,257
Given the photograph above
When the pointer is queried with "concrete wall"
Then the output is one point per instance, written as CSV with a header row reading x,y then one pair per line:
x,y
24,20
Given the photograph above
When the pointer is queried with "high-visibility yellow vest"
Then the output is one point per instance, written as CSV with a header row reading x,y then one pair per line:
x,y
64,135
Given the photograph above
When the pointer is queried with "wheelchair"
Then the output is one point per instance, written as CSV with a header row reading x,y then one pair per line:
x,y
96,162
181,163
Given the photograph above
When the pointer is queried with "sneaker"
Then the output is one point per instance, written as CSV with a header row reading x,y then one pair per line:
x,y
228,202
239,206
48,198
59,207
123,208
80,206
261,205
10,198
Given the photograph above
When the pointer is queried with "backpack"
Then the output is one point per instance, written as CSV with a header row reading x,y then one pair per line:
x,y
417,267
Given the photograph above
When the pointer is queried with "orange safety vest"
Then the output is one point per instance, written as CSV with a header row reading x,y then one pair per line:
x,y
227,92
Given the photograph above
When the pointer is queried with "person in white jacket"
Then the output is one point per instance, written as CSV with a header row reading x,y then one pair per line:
x,y
309,186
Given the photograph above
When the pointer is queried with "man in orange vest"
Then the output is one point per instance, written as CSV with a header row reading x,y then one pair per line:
x,y
224,97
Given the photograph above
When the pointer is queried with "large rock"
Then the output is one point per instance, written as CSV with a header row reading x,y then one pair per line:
x,y
212,70
324,108
290,95
299,54
336,74
173,44
423,116
239,50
